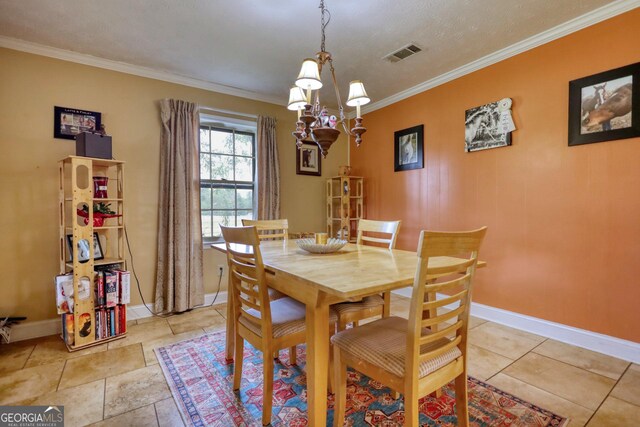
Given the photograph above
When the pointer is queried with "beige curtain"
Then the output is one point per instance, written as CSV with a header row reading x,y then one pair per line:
x,y
179,284
268,170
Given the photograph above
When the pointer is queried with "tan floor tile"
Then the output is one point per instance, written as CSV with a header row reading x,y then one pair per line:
x,y
168,414
475,322
196,319
597,363
628,388
151,319
503,340
616,413
577,385
149,346
579,415
52,349
143,332
82,404
134,389
483,363
14,356
223,312
29,382
101,365
142,417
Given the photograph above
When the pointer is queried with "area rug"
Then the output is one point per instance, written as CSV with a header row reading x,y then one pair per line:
x,y
201,382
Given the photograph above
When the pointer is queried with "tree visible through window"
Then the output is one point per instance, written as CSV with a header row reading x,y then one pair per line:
x,y
227,171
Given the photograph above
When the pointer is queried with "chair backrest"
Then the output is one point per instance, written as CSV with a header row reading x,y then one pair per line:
x,y
454,281
385,227
248,281
270,229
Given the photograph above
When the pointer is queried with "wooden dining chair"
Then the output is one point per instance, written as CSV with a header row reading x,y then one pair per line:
x,y
270,229
267,325
373,305
415,356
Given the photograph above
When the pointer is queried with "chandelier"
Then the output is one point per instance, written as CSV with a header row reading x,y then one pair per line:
x,y
314,123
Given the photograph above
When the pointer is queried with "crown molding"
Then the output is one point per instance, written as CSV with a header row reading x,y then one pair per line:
x,y
598,15
603,13
122,67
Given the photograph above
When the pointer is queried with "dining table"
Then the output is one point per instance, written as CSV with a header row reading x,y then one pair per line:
x,y
319,280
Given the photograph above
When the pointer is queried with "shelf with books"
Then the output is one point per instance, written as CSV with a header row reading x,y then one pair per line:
x,y
87,320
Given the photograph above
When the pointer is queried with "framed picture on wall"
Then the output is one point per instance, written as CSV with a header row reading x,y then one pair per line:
x,y
408,149
68,122
605,106
308,159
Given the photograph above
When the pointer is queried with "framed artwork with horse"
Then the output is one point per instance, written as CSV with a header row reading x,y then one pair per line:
x,y
408,149
605,106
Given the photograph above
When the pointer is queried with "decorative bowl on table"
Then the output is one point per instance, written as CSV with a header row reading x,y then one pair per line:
x,y
310,245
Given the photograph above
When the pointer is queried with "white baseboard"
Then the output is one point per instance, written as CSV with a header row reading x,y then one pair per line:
x,y
605,344
43,328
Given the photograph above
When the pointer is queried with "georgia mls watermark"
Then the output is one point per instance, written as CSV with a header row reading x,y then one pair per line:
x,y
31,416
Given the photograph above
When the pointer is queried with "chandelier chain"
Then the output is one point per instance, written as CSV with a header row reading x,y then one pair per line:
x,y
323,24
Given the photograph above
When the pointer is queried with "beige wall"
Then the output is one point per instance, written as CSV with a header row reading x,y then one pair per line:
x,y
30,86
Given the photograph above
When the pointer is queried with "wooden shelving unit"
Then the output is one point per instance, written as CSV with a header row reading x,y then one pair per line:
x,y
345,206
77,191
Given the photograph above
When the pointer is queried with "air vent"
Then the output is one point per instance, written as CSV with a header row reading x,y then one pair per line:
x,y
402,53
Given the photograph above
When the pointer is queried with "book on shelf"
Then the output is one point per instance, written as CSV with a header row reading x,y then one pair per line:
x,y
112,292
67,328
111,288
124,287
99,288
62,303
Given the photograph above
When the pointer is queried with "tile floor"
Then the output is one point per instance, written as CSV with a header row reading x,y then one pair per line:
x,y
121,384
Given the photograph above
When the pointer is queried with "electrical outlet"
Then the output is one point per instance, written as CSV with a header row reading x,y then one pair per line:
x,y
220,268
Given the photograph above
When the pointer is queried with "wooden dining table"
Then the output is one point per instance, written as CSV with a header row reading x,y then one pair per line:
x,y
319,280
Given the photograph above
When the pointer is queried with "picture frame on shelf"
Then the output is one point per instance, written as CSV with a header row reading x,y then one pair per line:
x,y
68,122
408,149
83,249
308,159
605,106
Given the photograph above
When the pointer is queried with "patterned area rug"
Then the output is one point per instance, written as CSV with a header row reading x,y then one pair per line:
x,y
201,382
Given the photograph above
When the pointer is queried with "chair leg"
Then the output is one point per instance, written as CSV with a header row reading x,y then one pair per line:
x,y
237,367
276,354
341,325
411,407
267,389
356,323
292,355
340,388
462,400
386,308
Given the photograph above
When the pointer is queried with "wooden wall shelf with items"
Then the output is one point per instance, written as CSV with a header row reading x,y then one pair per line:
x,y
93,286
345,206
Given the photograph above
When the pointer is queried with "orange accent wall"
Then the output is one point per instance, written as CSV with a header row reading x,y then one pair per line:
x,y
564,222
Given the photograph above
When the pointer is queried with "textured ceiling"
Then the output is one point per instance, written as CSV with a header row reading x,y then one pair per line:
x,y
258,45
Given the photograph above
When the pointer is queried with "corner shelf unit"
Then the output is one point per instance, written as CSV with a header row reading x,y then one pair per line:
x,y
77,191
345,206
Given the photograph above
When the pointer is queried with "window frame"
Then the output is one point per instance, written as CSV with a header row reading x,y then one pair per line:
x,y
225,183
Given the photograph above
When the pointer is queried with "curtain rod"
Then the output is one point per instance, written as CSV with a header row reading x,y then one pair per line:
x,y
232,113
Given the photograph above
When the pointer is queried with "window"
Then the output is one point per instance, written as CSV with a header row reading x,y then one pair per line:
x,y
227,178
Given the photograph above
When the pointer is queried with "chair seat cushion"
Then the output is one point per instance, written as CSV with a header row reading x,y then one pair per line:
x,y
383,343
371,301
287,317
